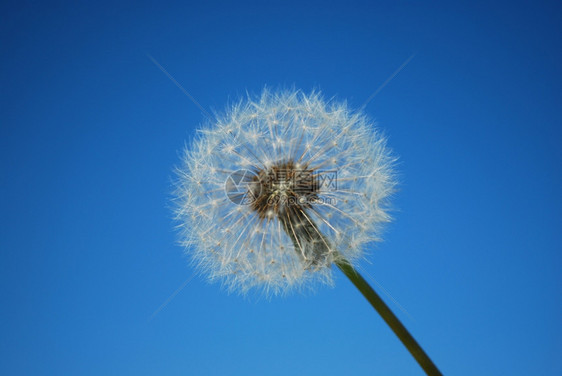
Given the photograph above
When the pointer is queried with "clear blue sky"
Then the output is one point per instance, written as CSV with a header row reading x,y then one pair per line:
x,y
90,130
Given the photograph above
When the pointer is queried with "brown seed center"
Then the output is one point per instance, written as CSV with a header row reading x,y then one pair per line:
x,y
283,188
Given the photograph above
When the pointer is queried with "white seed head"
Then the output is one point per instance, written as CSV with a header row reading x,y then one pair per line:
x,y
278,188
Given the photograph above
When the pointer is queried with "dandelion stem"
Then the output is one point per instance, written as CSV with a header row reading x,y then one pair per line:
x,y
380,306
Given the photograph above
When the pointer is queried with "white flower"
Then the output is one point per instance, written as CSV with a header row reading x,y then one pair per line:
x,y
280,187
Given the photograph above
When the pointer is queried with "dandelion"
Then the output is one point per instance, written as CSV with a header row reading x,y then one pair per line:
x,y
280,188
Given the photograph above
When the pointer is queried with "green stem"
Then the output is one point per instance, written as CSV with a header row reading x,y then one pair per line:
x,y
413,347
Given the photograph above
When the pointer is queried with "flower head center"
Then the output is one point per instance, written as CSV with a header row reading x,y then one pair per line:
x,y
283,189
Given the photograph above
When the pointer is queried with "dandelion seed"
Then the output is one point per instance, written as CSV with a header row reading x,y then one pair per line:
x,y
279,188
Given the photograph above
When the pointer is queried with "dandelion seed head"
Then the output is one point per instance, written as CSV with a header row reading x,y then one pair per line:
x,y
278,188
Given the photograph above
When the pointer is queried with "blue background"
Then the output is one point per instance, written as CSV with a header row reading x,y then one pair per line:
x,y
91,129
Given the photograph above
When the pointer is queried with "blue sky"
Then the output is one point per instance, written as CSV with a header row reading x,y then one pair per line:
x,y
91,129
